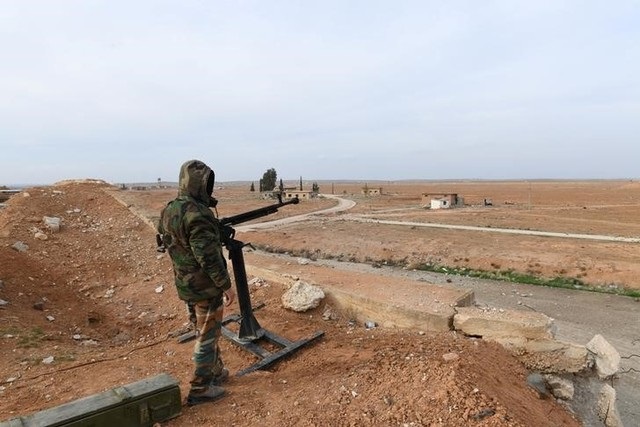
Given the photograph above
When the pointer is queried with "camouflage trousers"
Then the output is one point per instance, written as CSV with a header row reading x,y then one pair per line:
x,y
207,319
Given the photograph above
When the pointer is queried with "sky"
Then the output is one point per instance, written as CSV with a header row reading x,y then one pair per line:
x,y
126,91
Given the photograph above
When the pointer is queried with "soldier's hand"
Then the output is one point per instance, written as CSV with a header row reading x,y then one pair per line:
x,y
229,296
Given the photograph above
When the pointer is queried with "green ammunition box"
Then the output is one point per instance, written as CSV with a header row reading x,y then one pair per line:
x,y
140,404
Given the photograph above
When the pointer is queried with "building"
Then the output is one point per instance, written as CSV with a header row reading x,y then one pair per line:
x,y
441,200
368,191
300,194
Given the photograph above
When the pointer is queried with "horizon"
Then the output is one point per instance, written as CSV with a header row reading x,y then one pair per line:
x,y
326,181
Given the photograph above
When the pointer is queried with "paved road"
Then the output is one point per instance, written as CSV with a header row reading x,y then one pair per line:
x,y
579,315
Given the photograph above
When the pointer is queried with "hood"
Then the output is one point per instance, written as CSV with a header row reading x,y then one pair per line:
x,y
196,180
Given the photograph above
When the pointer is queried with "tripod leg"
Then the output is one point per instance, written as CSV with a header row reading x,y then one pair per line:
x,y
250,329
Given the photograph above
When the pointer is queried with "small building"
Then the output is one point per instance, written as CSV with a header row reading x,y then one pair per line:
x,y
441,200
368,191
300,194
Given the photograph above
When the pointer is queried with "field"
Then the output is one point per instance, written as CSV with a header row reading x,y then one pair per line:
x,y
597,208
88,296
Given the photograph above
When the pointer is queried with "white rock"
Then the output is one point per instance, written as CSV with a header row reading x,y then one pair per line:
x,y
561,388
258,282
47,360
302,297
449,357
607,358
159,289
20,246
369,324
52,222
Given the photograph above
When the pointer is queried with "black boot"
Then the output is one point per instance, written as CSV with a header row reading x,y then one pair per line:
x,y
207,394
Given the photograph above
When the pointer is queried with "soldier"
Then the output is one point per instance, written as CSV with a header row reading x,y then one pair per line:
x,y
189,231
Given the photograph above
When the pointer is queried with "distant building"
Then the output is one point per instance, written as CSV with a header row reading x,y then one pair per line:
x,y
368,191
441,200
300,194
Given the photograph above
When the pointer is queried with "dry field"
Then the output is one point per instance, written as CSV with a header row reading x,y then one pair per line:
x,y
608,208
85,299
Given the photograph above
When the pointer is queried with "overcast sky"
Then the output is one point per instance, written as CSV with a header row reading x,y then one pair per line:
x,y
126,91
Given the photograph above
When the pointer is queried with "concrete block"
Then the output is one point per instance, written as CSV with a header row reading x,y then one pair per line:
x,y
494,324
393,303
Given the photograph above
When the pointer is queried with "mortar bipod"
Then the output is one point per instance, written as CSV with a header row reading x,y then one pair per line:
x,y
250,332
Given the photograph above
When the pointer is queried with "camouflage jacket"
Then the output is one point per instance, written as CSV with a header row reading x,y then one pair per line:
x,y
191,235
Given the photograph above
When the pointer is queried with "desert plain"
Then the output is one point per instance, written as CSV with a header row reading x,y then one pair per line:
x,y
91,306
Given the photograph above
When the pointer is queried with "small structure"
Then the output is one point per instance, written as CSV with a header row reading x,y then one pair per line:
x,y
300,194
441,200
368,191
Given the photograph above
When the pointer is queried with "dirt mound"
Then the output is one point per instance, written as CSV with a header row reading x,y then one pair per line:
x,y
92,306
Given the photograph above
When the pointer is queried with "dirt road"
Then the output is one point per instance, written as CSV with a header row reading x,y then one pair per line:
x,y
343,205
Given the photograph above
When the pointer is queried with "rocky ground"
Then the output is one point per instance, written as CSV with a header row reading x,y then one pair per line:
x,y
91,306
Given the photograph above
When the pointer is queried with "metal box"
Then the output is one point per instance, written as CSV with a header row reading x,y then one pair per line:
x,y
140,404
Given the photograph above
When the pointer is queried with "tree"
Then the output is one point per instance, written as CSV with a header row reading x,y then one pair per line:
x,y
315,188
301,183
269,179
281,187
253,188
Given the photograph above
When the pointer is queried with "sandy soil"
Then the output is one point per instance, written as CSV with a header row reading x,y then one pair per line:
x,y
89,296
